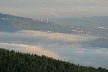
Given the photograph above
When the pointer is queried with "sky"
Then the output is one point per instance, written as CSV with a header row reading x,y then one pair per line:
x,y
55,8
62,46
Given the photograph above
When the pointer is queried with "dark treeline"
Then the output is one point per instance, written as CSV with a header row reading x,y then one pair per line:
x,y
11,61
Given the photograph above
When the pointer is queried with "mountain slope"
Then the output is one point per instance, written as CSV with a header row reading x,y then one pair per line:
x,y
11,61
14,23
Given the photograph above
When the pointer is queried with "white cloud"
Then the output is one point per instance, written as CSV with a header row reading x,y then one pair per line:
x,y
29,49
61,36
102,50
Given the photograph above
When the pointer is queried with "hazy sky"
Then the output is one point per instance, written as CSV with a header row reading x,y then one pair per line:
x,y
56,8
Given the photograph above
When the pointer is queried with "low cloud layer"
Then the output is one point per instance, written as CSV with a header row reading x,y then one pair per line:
x,y
29,49
42,38
67,47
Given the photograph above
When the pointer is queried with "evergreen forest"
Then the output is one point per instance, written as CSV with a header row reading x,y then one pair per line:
x,y
11,61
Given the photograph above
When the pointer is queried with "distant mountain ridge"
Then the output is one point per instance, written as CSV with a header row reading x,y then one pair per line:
x,y
96,26
97,20
14,23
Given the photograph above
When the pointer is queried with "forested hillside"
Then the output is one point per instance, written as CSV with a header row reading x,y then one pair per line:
x,y
14,23
11,61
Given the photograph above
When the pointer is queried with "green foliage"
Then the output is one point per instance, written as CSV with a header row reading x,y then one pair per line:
x,y
11,61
